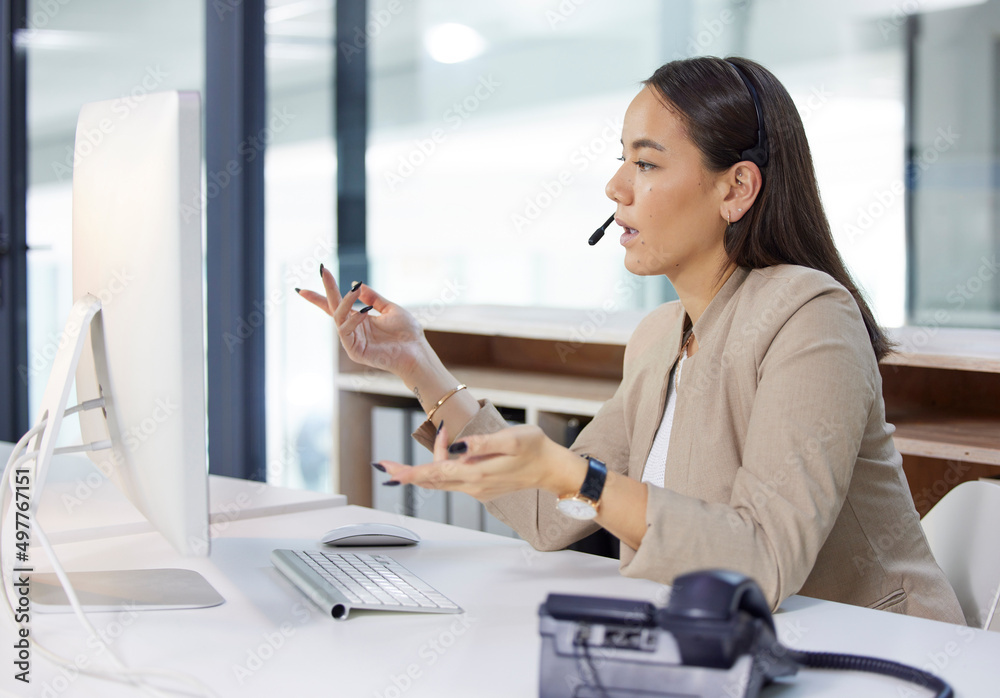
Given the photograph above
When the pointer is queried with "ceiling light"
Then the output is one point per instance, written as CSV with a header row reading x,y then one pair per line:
x,y
453,43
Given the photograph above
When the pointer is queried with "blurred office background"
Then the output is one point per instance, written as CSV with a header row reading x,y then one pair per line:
x,y
492,129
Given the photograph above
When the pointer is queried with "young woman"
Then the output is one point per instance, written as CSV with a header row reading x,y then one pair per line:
x,y
749,428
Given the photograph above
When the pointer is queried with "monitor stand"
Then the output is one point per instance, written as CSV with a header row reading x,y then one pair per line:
x,y
118,590
124,590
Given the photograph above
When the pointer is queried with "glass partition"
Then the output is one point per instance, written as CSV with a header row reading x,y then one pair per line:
x,y
953,169
79,52
495,127
300,178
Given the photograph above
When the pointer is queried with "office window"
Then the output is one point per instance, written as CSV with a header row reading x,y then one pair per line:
x,y
300,234
90,50
955,238
848,82
81,52
496,126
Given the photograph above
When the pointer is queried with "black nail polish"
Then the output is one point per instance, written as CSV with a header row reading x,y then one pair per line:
x,y
458,447
379,467
321,271
440,427
298,290
355,286
366,309
391,483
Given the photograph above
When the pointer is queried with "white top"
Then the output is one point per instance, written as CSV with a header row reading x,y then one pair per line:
x,y
656,461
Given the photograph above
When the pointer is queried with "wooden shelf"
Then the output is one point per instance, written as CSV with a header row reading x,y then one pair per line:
x,y
944,413
520,389
941,386
973,438
946,348
549,324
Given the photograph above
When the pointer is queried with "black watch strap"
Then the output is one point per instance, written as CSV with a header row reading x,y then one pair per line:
x,y
593,484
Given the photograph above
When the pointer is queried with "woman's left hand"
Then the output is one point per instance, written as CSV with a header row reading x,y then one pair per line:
x,y
512,459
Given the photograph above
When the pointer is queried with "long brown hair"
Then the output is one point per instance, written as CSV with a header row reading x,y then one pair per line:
x,y
786,224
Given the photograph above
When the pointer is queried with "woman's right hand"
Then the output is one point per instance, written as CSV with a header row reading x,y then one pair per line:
x,y
392,340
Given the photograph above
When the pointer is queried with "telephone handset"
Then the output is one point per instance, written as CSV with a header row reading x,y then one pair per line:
x,y
715,638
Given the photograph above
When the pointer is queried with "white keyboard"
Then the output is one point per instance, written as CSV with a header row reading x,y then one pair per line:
x,y
338,582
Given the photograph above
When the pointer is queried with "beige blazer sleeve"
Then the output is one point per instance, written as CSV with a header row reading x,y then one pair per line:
x,y
532,513
608,437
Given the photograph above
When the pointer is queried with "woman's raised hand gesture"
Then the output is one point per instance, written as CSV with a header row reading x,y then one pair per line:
x,y
392,340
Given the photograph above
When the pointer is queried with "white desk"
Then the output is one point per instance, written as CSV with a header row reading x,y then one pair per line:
x,y
80,503
268,640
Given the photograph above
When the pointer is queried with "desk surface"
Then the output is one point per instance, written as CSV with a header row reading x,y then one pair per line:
x,y
80,503
267,638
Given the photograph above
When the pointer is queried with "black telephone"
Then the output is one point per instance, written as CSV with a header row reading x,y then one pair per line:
x,y
715,638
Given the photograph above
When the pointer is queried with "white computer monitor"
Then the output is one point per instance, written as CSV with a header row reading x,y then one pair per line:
x,y
137,248
137,324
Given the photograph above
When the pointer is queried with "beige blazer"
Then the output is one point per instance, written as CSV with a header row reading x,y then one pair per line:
x,y
780,463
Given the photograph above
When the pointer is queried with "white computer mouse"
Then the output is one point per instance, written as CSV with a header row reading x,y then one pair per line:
x,y
369,534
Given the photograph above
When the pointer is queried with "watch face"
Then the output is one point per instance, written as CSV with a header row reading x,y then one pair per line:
x,y
577,508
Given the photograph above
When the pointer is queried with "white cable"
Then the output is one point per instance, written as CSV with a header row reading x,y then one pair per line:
x,y
123,675
23,441
84,406
134,677
92,446
137,677
82,616
13,462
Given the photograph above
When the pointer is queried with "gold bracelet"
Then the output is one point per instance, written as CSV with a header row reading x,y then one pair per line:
x,y
447,395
